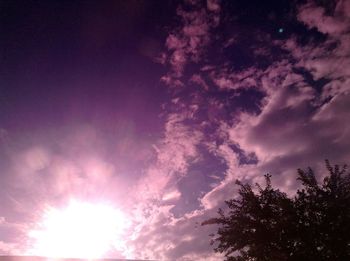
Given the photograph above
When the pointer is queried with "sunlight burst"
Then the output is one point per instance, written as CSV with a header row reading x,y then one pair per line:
x,y
81,230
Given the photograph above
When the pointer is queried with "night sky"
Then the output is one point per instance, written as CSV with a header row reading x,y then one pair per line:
x,y
148,111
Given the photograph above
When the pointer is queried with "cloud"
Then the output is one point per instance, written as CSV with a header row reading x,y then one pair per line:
x,y
213,5
13,238
295,119
197,79
328,60
174,153
293,127
76,166
224,79
315,16
283,140
188,41
7,248
164,237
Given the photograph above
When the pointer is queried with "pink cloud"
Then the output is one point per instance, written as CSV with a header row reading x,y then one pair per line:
x,y
213,5
7,248
315,17
168,238
197,79
187,43
292,130
225,79
174,153
283,143
329,59
323,62
171,80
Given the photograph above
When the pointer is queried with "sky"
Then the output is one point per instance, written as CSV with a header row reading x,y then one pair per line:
x,y
148,111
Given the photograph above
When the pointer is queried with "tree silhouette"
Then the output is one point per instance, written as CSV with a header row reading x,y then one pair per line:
x,y
268,225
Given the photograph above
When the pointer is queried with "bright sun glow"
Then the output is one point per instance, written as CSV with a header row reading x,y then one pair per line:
x,y
80,230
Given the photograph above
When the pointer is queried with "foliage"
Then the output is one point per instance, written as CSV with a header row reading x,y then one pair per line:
x,y
269,225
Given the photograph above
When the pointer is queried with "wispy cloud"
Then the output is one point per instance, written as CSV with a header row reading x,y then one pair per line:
x,y
290,128
284,111
187,42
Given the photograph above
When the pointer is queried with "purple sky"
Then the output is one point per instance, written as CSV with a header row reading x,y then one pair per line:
x,y
157,107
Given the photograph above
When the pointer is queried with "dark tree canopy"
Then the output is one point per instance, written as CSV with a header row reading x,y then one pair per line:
x,y
268,225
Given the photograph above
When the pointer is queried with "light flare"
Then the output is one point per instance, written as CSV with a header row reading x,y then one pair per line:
x,y
81,230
